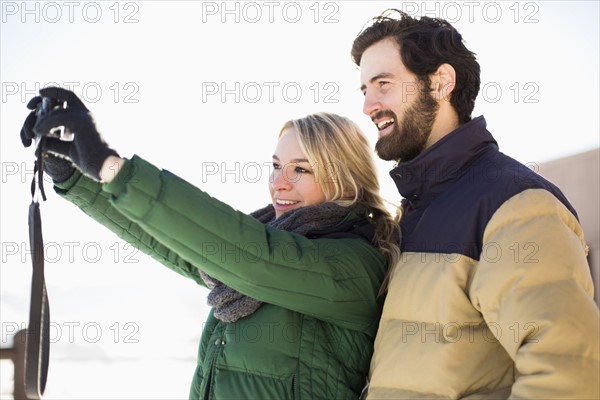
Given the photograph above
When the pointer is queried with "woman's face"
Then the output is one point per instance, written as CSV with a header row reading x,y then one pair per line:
x,y
292,183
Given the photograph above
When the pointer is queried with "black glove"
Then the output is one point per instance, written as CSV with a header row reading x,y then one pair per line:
x,y
87,150
57,168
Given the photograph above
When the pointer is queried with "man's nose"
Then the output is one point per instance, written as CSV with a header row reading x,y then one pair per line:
x,y
371,104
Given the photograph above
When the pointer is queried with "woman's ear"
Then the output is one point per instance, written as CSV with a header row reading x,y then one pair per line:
x,y
443,81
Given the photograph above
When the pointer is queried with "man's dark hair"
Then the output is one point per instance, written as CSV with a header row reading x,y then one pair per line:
x,y
425,44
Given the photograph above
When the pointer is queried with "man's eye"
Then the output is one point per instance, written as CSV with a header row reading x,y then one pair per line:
x,y
383,83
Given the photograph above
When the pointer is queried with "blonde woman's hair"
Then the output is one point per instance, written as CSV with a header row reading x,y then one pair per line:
x,y
343,165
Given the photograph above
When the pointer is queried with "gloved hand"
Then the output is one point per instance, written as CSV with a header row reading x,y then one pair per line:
x,y
87,150
58,168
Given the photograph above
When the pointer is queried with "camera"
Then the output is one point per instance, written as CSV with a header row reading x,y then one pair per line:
x,y
59,132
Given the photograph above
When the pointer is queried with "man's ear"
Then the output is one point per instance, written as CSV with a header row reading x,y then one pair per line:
x,y
443,81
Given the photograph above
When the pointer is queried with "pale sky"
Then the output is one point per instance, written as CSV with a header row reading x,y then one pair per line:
x,y
202,89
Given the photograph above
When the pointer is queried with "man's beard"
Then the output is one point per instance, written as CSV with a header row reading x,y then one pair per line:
x,y
408,140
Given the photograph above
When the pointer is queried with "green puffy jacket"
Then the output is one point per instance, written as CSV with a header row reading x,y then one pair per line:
x,y
313,336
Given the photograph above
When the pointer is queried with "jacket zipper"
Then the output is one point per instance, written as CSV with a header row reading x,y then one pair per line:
x,y
219,346
294,388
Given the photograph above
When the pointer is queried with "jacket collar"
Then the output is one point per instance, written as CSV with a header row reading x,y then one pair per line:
x,y
431,172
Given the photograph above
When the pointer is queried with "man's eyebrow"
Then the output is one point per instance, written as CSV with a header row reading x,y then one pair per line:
x,y
376,77
293,160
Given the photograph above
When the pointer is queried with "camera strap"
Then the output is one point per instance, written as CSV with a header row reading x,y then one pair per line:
x,y
37,347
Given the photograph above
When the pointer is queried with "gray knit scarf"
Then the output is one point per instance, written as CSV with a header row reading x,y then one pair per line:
x,y
229,304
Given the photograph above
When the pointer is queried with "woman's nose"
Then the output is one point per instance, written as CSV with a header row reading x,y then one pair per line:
x,y
281,180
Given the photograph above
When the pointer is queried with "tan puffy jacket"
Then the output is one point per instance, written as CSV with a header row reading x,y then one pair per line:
x,y
493,296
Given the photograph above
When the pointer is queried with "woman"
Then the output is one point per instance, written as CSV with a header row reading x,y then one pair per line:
x,y
295,303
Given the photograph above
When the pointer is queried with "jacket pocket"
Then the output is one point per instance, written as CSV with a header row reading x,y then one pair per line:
x,y
229,384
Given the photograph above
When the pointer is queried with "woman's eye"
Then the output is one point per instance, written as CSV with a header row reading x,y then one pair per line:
x,y
276,165
301,170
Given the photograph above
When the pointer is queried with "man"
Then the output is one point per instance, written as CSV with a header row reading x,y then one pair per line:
x,y
493,296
